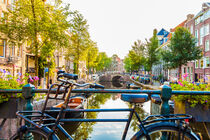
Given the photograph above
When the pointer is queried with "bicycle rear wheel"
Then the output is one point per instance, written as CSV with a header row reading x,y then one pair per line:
x,y
167,131
30,134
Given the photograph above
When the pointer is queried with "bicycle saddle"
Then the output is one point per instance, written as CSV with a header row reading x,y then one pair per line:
x,y
135,98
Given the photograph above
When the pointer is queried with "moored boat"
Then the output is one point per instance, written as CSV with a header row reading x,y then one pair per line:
x,y
75,102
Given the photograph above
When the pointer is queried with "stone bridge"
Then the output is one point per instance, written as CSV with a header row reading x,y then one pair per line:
x,y
114,77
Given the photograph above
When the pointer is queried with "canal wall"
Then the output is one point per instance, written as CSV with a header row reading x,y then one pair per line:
x,y
11,125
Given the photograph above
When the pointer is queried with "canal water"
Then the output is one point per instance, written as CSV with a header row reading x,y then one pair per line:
x,y
106,130
111,130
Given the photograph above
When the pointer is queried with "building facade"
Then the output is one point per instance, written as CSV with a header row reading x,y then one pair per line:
x,y
12,58
201,32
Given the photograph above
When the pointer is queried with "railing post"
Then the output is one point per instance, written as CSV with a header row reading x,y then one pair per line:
x,y
28,95
166,93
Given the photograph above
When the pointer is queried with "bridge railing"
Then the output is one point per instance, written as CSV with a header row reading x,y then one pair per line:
x,y
28,91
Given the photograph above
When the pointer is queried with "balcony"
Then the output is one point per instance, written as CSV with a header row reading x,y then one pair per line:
x,y
12,59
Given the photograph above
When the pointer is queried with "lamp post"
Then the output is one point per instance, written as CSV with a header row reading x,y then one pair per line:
x,y
48,79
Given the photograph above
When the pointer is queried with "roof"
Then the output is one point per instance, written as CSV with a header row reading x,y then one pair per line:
x,y
162,32
180,25
206,5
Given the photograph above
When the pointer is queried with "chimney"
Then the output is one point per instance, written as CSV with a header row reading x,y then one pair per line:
x,y
189,17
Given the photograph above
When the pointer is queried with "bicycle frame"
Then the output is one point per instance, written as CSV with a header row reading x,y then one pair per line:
x,y
27,115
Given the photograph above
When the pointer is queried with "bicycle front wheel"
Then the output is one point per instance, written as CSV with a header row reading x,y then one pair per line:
x,y
165,130
31,134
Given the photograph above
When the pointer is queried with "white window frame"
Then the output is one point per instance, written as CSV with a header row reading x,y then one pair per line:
x,y
201,35
206,29
191,29
207,47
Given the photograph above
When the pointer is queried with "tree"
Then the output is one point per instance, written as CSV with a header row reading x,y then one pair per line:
x,y
38,24
137,55
91,56
181,50
79,39
127,62
103,61
152,51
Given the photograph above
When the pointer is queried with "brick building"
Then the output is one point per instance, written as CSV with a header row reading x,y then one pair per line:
x,y
199,27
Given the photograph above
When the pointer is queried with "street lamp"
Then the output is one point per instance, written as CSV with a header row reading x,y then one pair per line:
x,y
48,79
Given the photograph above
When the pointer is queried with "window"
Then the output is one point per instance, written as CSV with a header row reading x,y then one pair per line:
x,y
207,62
191,29
196,64
188,70
207,45
201,63
206,29
191,70
196,37
11,51
19,51
201,35
2,48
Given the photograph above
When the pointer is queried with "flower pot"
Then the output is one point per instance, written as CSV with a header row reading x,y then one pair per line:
x,y
8,109
199,112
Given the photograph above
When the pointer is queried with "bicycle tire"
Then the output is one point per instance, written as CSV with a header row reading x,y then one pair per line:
x,y
34,133
172,129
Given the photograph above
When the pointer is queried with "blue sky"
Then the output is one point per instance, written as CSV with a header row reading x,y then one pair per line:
x,y
116,24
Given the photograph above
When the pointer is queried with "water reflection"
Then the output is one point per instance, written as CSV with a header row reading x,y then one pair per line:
x,y
109,130
105,130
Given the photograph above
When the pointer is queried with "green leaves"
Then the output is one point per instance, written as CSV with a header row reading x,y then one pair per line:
x,y
152,51
181,49
39,25
192,99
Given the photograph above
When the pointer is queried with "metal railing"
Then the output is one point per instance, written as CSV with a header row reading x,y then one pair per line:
x,y
28,91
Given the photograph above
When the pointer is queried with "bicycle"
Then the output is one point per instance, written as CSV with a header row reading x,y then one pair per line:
x,y
170,126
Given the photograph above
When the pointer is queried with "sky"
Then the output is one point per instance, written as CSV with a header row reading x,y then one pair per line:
x,y
116,24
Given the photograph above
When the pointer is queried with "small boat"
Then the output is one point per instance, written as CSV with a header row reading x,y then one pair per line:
x,y
132,86
76,102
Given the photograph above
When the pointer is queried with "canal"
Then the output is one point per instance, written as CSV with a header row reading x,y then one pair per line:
x,y
112,130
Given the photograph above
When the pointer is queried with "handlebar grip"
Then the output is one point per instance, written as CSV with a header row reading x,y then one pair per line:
x,y
70,76
96,86
60,71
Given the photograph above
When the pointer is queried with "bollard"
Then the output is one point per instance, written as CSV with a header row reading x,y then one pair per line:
x,y
165,96
165,108
28,93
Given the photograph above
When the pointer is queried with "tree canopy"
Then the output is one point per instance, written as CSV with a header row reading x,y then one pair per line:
x,y
152,51
181,49
37,24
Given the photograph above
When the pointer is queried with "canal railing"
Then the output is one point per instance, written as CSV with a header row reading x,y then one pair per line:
x,y
28,92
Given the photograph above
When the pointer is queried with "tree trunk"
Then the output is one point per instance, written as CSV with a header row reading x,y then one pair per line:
x,y
35,40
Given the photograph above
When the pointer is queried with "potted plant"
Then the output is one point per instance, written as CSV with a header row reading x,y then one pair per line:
x,y
11,102
196,105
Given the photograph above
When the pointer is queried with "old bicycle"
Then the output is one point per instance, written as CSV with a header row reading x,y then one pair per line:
x,y
153,127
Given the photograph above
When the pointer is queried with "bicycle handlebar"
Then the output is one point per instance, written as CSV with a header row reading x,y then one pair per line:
x,y
75,77
67,75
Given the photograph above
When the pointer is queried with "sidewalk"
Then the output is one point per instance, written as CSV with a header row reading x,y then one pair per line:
x,y
155,86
